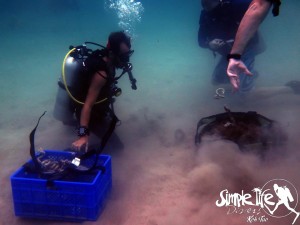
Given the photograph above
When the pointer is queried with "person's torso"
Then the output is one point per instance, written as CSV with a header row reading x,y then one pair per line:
x,y
224,21
92,65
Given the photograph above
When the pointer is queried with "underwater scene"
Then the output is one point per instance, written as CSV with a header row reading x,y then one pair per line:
x,y
185,149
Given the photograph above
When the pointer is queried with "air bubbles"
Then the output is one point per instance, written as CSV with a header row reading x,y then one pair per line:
x,y
129,13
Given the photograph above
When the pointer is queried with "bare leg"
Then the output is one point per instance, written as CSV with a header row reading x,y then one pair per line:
x,y
292,210
276,206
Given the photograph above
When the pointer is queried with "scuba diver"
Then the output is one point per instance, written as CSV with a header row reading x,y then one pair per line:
x,y
254,16
88,95
219,21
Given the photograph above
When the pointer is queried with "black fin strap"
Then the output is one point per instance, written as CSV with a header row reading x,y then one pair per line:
x,y
105,138
99,150
32,148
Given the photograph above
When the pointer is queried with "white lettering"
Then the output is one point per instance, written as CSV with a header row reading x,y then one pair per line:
x,y
223,199
235,199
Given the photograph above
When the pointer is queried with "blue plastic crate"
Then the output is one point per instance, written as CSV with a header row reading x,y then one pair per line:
x,y
76,198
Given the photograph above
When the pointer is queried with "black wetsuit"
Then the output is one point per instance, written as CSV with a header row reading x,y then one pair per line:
x,y
93,64
222,22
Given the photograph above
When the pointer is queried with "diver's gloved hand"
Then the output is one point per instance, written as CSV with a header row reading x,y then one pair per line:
x,y
81,144
236,67
216,44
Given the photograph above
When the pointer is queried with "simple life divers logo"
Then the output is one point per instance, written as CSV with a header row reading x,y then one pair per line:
x,y
278,198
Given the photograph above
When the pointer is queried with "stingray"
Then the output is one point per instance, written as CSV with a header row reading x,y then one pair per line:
x,y
57,166
249,130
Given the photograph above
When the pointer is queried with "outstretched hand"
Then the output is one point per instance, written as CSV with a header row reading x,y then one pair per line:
x,y
236,67
81,144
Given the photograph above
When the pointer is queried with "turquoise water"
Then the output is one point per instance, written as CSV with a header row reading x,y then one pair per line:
x,y
157,180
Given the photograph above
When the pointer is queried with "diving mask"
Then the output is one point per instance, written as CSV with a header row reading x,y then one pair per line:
x,y
125,57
